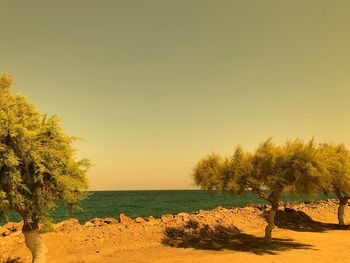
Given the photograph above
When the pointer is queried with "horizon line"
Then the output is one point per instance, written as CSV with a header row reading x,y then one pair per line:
x,y
120,190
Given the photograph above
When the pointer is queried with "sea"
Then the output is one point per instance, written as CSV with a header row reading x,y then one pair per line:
x,y
155,203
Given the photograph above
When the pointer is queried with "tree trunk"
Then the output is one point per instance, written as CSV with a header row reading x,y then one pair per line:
x,y
342,203
34,242
270,222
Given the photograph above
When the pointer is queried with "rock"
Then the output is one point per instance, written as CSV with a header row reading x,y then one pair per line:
x,y
170,220
13,226
151,218
219,220
152,221
16,234
125,219
183,215
139,220
110,221
67,224
4,231
249,208
166,218
89,224
97,221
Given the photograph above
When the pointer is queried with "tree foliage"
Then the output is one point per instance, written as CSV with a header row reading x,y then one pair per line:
x,y
297,167
337,159
38,164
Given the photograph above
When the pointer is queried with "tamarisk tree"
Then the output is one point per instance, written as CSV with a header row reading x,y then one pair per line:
x,y
337,158
268,172
38,165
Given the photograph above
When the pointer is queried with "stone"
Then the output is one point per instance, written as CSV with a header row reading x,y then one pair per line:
x,y
139,220
4,231
125,219
16,234
97,221
183,215
166,218
67,223
14,226
151,221
89,224
249,209
110,221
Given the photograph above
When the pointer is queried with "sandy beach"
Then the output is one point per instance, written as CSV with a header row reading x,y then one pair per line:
x,y
304,233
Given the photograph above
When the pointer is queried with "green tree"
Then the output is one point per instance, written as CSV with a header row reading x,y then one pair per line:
x,y
337,158
38,165
268,172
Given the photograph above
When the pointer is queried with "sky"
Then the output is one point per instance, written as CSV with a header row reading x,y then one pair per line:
x,y
153,86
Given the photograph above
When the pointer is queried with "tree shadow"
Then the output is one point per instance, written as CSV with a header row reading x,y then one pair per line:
x,y
300,221
202,236
11,260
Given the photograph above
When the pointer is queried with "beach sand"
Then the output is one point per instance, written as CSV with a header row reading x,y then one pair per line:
x,y
305,233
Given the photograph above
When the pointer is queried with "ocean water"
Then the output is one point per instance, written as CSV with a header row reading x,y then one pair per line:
x,y
156,203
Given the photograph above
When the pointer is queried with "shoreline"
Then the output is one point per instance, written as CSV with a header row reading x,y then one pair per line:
x,y
157,204
98,239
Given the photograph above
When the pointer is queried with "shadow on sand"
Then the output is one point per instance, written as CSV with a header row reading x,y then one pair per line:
x,y
300,221
194,235
11,260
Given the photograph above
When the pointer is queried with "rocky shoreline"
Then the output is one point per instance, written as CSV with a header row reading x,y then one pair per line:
x,y
125,233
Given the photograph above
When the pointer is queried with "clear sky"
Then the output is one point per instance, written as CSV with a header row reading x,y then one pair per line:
x,y
153,86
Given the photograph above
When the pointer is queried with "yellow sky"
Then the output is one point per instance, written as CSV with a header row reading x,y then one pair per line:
x,y
153,86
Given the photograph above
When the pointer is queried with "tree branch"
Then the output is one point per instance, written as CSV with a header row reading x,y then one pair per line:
x,y
338,194
258,191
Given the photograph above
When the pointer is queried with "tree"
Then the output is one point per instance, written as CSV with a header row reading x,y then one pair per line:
x,y
38,165
268,172
337,158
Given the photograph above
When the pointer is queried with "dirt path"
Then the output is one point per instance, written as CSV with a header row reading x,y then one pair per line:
x,y
289,246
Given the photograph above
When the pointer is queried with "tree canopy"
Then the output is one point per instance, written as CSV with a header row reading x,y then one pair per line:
x,y
38,164
297,167
337,159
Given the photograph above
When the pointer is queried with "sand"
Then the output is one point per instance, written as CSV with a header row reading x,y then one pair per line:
x,y
308,233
